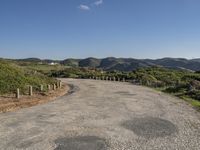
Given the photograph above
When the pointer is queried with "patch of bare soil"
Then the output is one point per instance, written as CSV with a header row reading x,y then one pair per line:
x,y
10,103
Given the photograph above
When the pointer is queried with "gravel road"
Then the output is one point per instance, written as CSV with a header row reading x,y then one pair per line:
x,y
103,115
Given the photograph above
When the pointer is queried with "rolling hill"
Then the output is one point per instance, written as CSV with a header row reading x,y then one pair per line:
x,y
129,64
123,64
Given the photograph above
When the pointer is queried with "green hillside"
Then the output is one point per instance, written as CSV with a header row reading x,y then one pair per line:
x,y
112,63
90,62
13,77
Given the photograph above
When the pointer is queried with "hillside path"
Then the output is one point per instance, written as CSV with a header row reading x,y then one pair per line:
x,y
103,115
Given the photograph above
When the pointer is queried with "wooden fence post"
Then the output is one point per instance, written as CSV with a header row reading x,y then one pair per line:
x,y
60,84
49,87
57,84
30,90
41,88
54,87
17,93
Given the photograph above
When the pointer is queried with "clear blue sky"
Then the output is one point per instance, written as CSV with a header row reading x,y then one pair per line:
x,y
61,29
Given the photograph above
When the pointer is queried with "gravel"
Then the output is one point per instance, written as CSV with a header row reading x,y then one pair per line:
x,y
103,115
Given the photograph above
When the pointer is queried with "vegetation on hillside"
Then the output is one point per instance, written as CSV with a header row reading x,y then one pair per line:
x,y
44,68
181,83
120,64
12,77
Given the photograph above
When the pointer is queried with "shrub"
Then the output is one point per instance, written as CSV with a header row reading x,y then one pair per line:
x,y
13,77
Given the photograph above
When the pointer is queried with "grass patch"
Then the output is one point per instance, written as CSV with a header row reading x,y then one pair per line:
x,y
44,68
193,102
13,76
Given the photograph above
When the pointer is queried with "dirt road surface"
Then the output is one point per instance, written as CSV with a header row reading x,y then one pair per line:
x,y
103,115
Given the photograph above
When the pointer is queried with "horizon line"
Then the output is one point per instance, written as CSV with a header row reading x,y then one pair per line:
x,y
99,58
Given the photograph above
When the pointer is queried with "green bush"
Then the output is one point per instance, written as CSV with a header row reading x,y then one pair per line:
x,y
169,80
13,77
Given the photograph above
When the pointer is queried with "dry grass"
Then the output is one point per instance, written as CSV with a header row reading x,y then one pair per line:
x,y
10,103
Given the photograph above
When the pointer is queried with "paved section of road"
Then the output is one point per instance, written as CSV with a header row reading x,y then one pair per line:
x,y
102,115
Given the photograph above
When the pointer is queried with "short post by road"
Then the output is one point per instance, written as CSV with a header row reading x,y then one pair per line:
x,y
113,78
49,87
17,93
106,78
60,84
41,88
30,90
103,78
54,86
119,79
123,80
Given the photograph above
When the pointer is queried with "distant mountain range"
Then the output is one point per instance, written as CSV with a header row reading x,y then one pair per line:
x,y
125,64
129,64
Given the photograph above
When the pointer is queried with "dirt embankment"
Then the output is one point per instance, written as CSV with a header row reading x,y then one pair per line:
x,y
10,103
